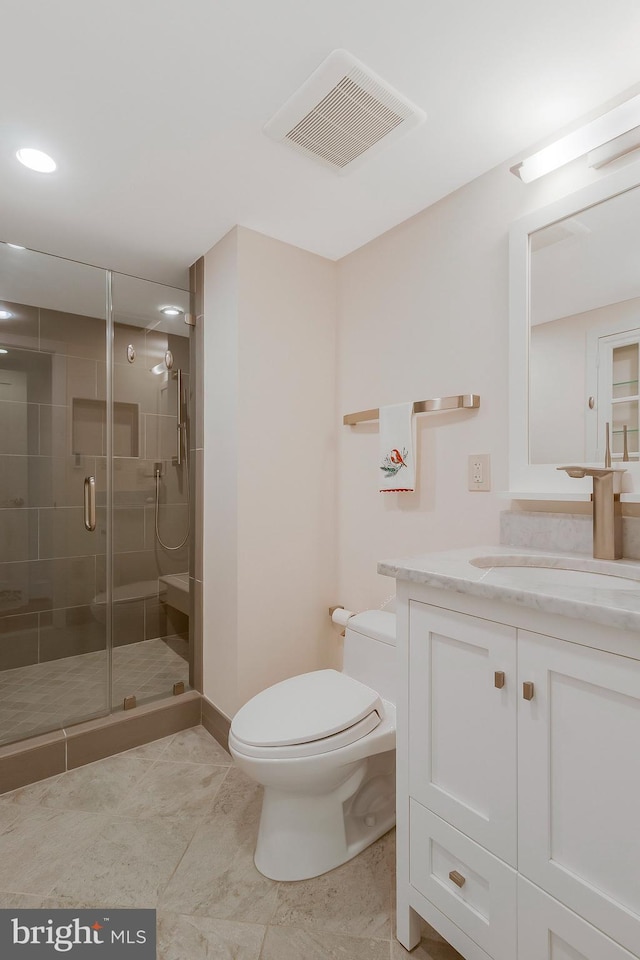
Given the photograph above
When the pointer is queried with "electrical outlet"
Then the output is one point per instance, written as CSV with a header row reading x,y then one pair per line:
x,y
480,471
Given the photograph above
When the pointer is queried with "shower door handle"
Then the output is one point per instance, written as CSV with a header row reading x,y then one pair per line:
x,y
90,503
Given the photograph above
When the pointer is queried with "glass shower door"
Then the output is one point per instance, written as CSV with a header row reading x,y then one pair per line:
x,y
151,505
54,514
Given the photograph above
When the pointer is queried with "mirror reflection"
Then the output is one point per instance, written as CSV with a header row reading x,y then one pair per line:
x,y
584,334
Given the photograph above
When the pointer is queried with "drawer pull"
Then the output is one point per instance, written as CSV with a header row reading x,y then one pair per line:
x,y
457,878
498,679
527,690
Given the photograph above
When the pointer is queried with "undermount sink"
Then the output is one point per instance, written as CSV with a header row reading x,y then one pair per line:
x,y
538,572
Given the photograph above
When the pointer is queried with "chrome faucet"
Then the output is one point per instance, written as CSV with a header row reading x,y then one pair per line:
x,y
607,512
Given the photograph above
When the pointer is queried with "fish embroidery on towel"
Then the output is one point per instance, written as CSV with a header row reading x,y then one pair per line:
x,y
393,462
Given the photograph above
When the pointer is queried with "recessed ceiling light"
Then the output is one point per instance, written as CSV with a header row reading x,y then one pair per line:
x,y
16,246
170,311
5,314
2,350
36,160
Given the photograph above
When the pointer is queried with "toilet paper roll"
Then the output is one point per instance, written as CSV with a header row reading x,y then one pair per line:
x,y
340,616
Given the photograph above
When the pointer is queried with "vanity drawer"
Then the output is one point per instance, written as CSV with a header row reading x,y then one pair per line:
x,y
474,889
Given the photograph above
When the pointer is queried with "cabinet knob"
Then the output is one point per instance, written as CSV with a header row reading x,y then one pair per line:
x,y
527,690
498,679
457,878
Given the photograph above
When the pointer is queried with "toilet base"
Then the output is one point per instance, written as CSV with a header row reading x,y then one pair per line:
x,y
304,836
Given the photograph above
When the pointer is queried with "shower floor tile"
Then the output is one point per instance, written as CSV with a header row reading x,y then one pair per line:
x,y
172,825
51,695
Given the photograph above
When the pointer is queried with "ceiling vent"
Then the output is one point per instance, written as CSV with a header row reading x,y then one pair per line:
x,y
343,114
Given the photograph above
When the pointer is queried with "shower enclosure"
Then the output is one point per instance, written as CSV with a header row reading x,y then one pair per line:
x,y
94,492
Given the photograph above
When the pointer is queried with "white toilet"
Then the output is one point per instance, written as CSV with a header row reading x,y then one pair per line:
x,y
323,745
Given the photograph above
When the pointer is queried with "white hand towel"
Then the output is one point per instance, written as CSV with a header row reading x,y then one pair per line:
x,y
397,448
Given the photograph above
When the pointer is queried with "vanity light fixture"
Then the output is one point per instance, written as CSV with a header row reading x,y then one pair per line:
x,y
36,160
5,314
2,350
610,126
170,311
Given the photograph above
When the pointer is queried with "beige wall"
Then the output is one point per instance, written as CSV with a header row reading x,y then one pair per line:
x,y
292,343
423,312
270,465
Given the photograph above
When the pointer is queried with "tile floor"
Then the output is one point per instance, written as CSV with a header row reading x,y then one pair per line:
x,y
47,696
172,825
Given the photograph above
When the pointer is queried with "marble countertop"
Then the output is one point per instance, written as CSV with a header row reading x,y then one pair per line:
x,y
526,577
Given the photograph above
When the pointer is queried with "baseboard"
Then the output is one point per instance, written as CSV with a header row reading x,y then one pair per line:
x,y
215,723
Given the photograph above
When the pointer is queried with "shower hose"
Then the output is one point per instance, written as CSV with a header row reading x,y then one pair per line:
x,y
186,536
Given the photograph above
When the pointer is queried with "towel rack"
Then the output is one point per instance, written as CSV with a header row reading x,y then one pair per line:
x,y
467,401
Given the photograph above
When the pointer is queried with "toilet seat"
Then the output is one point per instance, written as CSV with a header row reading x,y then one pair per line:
x,y
309,714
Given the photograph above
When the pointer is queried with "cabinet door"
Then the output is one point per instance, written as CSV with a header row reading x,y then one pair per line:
x,y
579,781
549,931
462,726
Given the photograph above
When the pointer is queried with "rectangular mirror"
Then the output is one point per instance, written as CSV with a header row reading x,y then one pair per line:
x,y
575,338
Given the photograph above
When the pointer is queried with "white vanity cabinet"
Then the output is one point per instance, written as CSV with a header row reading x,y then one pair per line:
x,y
518,782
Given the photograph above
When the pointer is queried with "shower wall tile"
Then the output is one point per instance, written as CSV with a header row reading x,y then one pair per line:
x,y
134,383
173,487
72,378
21,329
197,511
26,376
128,528
63,534
18,534
19,426
134,482
18,641
179,346
55,431
70,632
161,437
195,634
72,335
128,622
57,481
45,584
196,405
131,567
166,396
15,476
162,620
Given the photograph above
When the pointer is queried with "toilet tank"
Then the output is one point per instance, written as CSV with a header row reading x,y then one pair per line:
x,y
370,651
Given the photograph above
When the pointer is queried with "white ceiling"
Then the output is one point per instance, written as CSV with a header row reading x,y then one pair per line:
x,y
154,111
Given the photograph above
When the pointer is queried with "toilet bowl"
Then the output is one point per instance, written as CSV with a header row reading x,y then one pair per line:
x,y
322,744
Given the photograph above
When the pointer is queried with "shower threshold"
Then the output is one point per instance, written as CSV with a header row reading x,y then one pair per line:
x,y
48,696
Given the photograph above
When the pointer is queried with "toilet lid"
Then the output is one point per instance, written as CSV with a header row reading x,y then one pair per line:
x,y
305,708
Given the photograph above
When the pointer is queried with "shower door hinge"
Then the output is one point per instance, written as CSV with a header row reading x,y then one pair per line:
x,y
178,688
190,319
